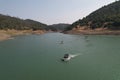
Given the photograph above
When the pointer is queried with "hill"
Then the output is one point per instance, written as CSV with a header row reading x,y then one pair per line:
x,y
8,22
107,17
59,27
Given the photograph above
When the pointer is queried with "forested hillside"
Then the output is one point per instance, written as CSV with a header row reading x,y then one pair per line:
x,y
106,17
8,22
59,27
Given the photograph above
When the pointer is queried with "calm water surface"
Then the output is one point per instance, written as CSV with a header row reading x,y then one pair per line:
x,y
37,57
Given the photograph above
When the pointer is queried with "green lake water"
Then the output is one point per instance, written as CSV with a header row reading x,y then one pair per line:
x,y
37,57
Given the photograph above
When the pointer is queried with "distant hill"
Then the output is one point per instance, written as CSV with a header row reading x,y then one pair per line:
x,y
8,22
59,27
106,17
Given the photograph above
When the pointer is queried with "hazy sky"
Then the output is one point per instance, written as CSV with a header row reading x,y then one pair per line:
x,y
51,11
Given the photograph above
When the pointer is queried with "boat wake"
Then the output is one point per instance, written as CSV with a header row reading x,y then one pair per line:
x,y
67,57
74,55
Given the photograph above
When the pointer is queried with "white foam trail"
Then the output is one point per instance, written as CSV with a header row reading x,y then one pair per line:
x,y
74,55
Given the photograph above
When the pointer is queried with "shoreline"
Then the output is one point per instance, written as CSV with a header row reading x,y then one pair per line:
x,y
93,32
9,34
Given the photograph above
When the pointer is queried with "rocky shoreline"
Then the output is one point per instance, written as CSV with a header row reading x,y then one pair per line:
x,y
94,32
8,34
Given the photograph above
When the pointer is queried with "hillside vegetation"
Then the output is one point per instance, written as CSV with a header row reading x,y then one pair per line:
x,y
8,22
59,27
107,17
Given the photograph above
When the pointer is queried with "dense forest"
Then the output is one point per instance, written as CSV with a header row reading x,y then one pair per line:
x,y
106,17
8,22
58,27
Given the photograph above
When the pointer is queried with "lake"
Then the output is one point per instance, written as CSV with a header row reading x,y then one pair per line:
x,y
37,57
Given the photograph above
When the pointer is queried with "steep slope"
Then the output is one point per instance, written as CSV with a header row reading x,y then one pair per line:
x,y
106,17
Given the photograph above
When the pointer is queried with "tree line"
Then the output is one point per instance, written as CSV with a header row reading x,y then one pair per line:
x,y
8,22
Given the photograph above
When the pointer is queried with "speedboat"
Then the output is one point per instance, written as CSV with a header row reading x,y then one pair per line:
x,y
66,57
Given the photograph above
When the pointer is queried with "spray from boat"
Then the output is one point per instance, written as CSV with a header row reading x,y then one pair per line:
x,y
68,57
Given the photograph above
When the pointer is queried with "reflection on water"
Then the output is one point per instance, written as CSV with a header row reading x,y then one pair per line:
x,y
87,41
